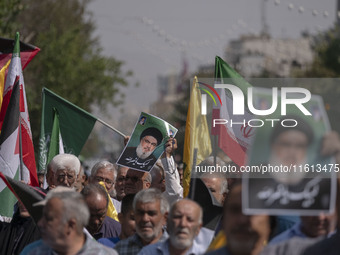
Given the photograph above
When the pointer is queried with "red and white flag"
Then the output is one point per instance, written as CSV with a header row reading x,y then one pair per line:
x,y
235,136
29,173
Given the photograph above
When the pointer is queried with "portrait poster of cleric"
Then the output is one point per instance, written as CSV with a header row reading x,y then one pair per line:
x,y
147,142
286,172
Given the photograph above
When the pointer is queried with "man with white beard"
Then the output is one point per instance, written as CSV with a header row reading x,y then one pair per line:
x,y
184,224
141,157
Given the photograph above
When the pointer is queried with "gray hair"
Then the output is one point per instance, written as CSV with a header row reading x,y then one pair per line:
x,y
104,164
200,216
74,207
224,182
150,196
148,177
119,168
209,161
95,188
65,161
224,186
157,168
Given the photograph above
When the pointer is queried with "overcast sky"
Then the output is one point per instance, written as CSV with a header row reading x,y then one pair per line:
x,y
153,36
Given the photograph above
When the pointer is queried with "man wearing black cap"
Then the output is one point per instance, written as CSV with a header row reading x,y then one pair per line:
x,y
141,157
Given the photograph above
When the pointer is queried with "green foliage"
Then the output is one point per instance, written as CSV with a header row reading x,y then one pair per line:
x,y
71,62
9,10
326,64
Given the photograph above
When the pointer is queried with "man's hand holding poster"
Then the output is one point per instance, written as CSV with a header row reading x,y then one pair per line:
x,y
147,142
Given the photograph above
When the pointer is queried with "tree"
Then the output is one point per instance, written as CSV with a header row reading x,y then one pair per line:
x,y
70,62
9,10
326,64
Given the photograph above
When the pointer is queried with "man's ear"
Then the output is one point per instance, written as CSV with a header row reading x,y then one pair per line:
x,y
199,229
165,218
50,178
147,184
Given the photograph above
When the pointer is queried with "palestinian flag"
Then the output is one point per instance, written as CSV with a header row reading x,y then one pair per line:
x,y
28,195
9,150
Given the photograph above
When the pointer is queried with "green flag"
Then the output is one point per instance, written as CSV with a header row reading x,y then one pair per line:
x,y
223,71
75,125
56,142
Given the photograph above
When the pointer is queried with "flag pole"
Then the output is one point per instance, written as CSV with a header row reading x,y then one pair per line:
x,y
193,183
110,127
214,149
20,152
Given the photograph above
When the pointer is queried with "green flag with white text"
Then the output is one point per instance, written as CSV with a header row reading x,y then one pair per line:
x,y
75,125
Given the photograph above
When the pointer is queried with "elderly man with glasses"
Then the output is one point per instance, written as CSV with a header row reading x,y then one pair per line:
x,y
64,169
104,171
136,181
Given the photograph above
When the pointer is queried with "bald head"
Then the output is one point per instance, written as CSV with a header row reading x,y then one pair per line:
x,y
97,200
184,224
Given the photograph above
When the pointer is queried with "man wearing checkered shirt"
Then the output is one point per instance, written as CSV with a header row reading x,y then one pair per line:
x,y
151,210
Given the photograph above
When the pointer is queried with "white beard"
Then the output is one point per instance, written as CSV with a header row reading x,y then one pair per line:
x,y
141,154
179,242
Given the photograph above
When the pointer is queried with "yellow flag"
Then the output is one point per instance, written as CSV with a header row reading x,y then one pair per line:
x,y
111,210
197,137
219,241
2,80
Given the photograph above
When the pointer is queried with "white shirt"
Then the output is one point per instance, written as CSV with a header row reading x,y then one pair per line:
x,y
173,189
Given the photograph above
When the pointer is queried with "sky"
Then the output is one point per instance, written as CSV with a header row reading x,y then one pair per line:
x,y
153,36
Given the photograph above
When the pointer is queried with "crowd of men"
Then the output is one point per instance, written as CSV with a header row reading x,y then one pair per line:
x,y
119,210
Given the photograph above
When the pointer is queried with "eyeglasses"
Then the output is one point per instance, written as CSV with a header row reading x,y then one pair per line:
x,y
70,178
101,179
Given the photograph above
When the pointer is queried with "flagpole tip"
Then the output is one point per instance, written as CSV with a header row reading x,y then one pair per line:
x,y
16,50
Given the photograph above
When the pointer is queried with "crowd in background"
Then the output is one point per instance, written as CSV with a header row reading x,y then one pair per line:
x,y
118,210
